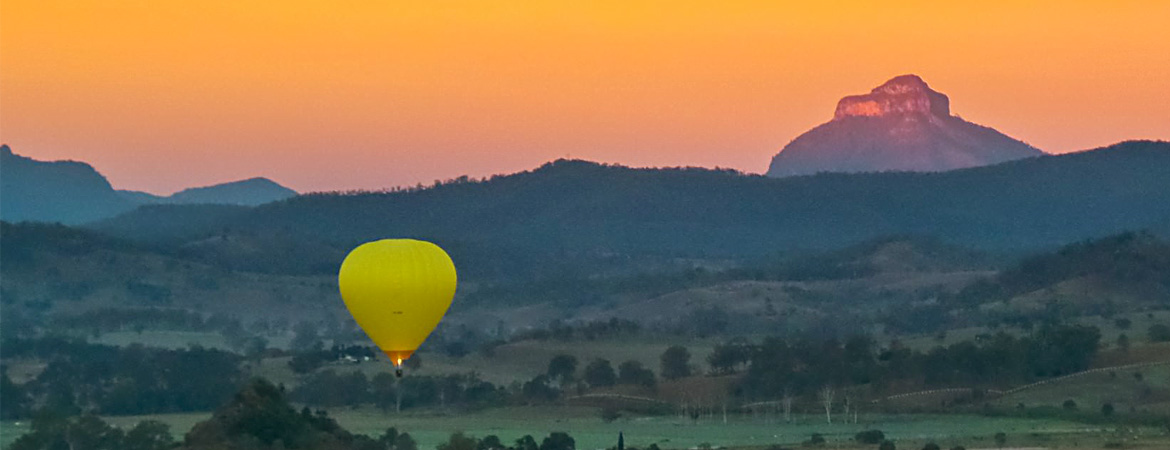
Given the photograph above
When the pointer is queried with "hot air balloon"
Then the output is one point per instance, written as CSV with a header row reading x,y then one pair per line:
x,y
397,290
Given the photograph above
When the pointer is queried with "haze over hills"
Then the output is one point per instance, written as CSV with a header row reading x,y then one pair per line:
x,y
902,125
568,212
73,192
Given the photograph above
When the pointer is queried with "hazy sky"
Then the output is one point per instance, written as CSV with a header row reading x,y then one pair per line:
x,y
322,95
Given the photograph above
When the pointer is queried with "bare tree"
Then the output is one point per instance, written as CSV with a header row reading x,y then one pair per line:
x,y
847,403
786,402
826,396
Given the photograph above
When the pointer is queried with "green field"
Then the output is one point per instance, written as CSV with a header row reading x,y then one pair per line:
x,y
590,432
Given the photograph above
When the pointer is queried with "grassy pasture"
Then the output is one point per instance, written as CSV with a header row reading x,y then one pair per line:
x,y
1121,388
590,432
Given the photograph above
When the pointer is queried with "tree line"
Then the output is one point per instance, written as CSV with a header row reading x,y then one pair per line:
x,y
103,379
774,367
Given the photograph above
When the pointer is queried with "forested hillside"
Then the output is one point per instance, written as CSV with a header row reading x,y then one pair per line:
x,y
576,214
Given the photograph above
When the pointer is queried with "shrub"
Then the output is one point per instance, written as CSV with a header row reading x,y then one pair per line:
x,y
1158,333
870,437
816,440
609,414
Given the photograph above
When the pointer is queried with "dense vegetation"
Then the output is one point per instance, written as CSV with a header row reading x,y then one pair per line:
x,y
776,367
118,380
1137,263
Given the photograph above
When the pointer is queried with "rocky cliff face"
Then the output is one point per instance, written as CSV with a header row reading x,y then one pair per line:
x,y
902,125
901,95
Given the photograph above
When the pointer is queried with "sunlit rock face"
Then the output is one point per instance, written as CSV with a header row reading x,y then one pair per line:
x,y
900,95
902,125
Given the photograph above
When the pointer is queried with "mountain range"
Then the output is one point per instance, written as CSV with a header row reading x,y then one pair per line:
x,y
571,213
902,125
73,192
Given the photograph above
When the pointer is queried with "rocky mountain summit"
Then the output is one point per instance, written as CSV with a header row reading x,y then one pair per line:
x,y
902,125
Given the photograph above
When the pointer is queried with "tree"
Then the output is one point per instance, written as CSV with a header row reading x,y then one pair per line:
x,y
931,446
389,437
303,363
1000,439
676,363
786,403
1123,342
887,445
384,392
1107,410
725,358
458,441
558,441
1158,333
826,397
405,442
306,338
148,435
562,368
490,442
16,399
538,389
1069,405
255,347
599,373
526,443
632,372
50,431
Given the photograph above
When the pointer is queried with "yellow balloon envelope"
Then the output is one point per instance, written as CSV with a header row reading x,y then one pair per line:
x,y
398,290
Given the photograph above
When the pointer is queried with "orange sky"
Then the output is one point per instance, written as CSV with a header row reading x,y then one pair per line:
x,y
161,95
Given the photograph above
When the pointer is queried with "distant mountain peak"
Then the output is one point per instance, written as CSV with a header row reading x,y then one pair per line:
x,y
900,95
901,125
250,192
